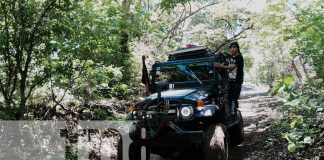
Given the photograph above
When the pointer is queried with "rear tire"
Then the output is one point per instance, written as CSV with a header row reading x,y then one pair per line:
x,y
216,143
237,131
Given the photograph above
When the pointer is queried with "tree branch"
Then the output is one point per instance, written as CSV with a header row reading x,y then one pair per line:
x,y
32,86
182,20
293,13
227,21
235,37
32,36
8,86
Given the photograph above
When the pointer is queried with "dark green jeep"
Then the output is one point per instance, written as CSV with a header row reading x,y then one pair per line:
x,y
188,109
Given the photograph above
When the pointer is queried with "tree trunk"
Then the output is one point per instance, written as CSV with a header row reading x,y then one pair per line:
x,y
23,98
124,40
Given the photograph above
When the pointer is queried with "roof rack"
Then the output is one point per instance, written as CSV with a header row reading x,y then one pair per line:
x,y
189,53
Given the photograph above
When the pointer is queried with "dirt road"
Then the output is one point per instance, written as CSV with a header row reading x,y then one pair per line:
x,y
258,111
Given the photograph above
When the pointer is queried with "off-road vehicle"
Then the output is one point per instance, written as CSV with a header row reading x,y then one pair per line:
x,y
188,109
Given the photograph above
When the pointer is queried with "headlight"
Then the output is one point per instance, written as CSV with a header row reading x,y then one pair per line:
x,y
134,115
186,112
141,114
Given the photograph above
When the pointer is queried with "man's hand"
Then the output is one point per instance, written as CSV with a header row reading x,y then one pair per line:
x,y
217,65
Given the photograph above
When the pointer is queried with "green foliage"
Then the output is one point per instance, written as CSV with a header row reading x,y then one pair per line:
x,y
120,90
288,79
248,63
308,33
265,74
303,25
24,39
97,34
75,46
290,37
85,79
171,4
300,106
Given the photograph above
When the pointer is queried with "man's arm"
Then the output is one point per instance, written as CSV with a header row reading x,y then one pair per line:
x,y
229,67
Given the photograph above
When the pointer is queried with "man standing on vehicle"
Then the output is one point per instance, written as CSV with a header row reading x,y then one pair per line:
x,y
235,75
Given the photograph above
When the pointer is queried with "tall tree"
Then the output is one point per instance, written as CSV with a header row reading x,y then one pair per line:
x,y
25,33
63,43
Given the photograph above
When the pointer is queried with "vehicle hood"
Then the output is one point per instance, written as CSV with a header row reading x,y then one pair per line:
x,y
172,94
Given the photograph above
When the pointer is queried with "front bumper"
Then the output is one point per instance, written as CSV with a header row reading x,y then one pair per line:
x,y
176,140
174,137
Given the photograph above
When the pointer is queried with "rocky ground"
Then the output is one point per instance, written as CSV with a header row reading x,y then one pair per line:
x,y
258,111
263,136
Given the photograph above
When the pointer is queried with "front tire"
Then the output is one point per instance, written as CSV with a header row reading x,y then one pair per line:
x,y
237,131
135,152
216,143
135,133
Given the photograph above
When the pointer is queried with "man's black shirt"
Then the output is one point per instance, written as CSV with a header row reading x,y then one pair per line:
x,y
238,60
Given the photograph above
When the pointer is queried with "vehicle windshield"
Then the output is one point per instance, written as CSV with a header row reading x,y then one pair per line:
x,y
174,73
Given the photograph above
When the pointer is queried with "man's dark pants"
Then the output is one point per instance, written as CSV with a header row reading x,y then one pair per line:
x,y
234,94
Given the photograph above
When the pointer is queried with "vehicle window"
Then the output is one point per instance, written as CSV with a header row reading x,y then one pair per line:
x,y
171,73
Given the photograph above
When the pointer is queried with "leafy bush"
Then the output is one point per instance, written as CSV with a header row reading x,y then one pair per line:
x,y
302,103
120,90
